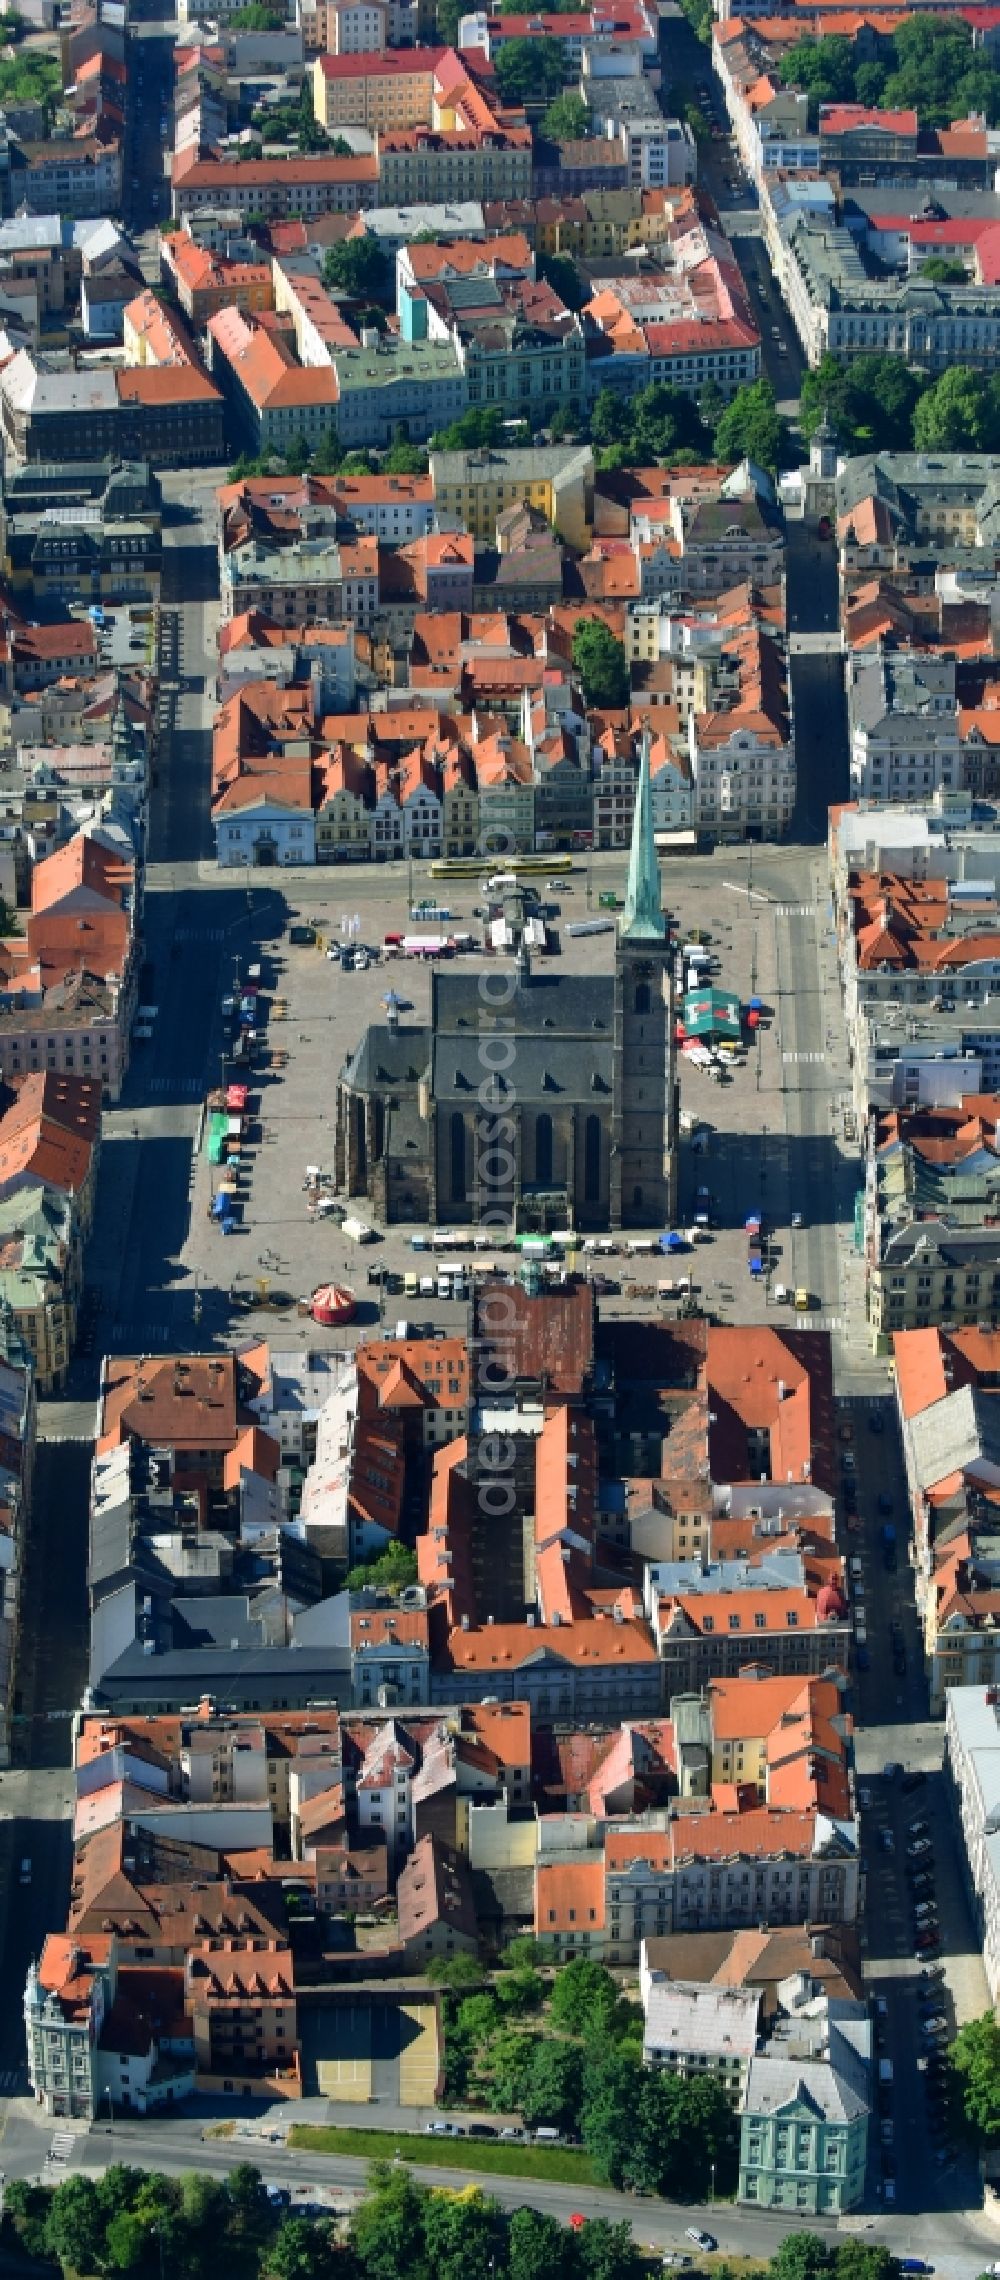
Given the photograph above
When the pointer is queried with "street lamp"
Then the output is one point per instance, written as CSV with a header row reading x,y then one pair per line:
x,y
111,2110
711,2171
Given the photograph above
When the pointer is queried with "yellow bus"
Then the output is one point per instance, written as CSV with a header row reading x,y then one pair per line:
x,y
484,866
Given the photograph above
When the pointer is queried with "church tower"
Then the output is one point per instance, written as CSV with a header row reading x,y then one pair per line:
x,y
644,1107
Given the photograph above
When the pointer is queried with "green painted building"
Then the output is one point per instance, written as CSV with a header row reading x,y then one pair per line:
x,y
804,2120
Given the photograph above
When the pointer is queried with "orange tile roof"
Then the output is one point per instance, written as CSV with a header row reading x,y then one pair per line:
x,y
569,1897
166,384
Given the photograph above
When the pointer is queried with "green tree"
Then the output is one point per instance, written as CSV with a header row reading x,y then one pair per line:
x,y
941,269
396,1567
75,2225
247,465
565,422
247,2202
711,405
559,271
125,2242
882,396
462,2237
257,18
855,2259
975,2058
664,421
584,1995
567,118
823,70
297,456
869,81
610,2115
953,414
602,665
531,71
206,2203
300,2250
520,1990
537,2246
606,2251
801,2256
477,2019
455,1971
610,420
356,463
387,2227
553,2088
327,455
26,2208
475,431
751,428
510,2060
404,457
120,2187
359,267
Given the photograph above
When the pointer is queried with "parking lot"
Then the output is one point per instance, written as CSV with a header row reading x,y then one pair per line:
x,y
925,1975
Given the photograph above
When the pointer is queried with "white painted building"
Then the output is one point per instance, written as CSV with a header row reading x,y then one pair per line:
x,y
972,1759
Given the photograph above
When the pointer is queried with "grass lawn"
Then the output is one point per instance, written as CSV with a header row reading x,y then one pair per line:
x,y
554,2165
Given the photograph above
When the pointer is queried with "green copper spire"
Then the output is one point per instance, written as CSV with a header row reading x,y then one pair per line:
x,y
643,920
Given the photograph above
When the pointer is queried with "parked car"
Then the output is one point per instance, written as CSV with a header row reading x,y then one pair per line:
x,y
706,2241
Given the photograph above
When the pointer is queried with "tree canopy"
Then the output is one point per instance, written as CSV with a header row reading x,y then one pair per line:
x,y
357,266
871,401
929,65
396,1567
567,118
975,2061
751,427
531,71
600,660
136,2221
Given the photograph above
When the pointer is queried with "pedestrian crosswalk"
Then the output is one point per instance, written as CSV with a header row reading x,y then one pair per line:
x,y
139,1337
63,2146
12,2080
198,934
190,1087
795,910
818,1056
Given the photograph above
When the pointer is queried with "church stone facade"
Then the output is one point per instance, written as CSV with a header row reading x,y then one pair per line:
x,y
532,1098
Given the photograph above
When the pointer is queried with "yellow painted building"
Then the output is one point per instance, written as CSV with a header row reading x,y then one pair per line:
x,y
478,486
389,91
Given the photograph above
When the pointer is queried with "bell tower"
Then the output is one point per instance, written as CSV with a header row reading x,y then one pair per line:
x,y
644,1102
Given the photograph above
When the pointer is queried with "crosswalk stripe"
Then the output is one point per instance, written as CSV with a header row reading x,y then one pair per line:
x,y
818,1056
795,910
